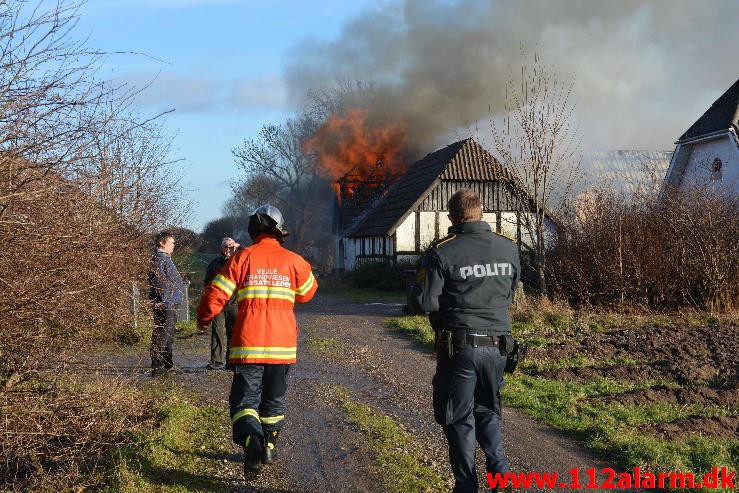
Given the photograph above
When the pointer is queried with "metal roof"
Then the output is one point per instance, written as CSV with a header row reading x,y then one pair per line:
x,y
625,171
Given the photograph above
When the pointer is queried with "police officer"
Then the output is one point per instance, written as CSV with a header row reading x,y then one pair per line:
x,y
267,280
466,284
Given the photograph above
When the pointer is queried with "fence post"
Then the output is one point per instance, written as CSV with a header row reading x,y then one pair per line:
x,y
183,311
135,302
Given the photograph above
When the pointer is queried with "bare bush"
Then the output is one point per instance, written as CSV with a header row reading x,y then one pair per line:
x,y
681,251
57,443
83,182
539,143
65,289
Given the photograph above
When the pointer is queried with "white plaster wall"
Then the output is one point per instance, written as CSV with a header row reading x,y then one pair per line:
x,y
508,224
406,234
350,252
528,231
491,219
702,155
444,224
428,228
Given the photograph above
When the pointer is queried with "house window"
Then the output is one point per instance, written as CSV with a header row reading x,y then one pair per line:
x,y
716,169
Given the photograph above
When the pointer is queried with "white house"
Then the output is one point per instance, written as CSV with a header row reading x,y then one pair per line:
x,y
412,213
708,152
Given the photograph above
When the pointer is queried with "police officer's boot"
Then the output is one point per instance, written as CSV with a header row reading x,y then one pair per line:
x,y
252,456
269,448
507,489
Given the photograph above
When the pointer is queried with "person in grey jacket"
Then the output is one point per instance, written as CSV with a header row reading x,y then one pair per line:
x,y
222,324
166,292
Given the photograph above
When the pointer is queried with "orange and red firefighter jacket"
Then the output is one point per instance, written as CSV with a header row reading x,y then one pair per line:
x,y
267,279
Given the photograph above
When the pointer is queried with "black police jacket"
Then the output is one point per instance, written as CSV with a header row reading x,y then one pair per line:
x,y
468,278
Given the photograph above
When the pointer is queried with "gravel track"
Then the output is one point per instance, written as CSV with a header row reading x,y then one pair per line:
x,y
320,450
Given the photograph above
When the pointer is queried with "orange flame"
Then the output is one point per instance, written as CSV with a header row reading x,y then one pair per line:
x,y
350,142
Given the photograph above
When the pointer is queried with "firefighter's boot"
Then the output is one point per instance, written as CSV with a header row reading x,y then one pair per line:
x,y
269,448
252,456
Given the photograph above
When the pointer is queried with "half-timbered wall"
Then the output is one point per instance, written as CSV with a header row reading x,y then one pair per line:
x,y
429,221
355,251
494,196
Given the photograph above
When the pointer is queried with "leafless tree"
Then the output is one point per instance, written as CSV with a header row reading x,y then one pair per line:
x,y
128,169
277,159
82,182
538,141
250,193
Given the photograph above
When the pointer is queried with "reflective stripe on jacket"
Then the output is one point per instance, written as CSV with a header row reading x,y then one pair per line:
x,y
267,280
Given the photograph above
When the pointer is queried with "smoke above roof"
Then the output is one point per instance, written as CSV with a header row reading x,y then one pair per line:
x,y
643,71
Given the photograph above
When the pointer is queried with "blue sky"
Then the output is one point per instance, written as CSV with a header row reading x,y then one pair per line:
x,y
643,72
218,63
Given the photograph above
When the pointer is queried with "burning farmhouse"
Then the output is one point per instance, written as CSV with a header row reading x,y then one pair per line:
x,y
379,221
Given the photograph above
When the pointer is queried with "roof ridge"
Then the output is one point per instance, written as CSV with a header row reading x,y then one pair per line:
x,y
721,115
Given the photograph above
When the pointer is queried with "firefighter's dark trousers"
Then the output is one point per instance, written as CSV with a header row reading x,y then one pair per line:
x,y
162,336
257,400
467,405
220,334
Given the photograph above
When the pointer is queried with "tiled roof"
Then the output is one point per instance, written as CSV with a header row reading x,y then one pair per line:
x,y
722,114
473,162
463,160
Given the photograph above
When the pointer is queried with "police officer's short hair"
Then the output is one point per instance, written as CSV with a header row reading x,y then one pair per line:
x,y
465,206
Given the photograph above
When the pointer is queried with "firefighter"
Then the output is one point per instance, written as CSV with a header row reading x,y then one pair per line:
x,y
466,283
267,279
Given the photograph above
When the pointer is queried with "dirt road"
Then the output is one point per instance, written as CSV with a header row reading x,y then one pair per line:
x,y
320,449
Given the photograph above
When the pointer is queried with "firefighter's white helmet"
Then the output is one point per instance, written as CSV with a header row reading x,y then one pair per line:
x,y
267,217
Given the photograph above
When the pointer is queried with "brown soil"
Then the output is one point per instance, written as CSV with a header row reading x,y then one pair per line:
x,y
712,427
701,395
680,354
701,365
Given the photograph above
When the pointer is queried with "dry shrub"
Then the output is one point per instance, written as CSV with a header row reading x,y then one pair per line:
x,y
679,252
58,442
83,182
66,270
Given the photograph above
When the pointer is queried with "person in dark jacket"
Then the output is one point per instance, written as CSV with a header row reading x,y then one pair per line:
x,y
166,292
466,283
222,325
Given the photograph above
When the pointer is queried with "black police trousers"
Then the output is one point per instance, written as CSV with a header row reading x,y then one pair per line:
x,y
257,399
467,405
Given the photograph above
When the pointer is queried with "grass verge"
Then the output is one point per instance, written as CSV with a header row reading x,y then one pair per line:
x,y
184,449
393,446
416,327
347,292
